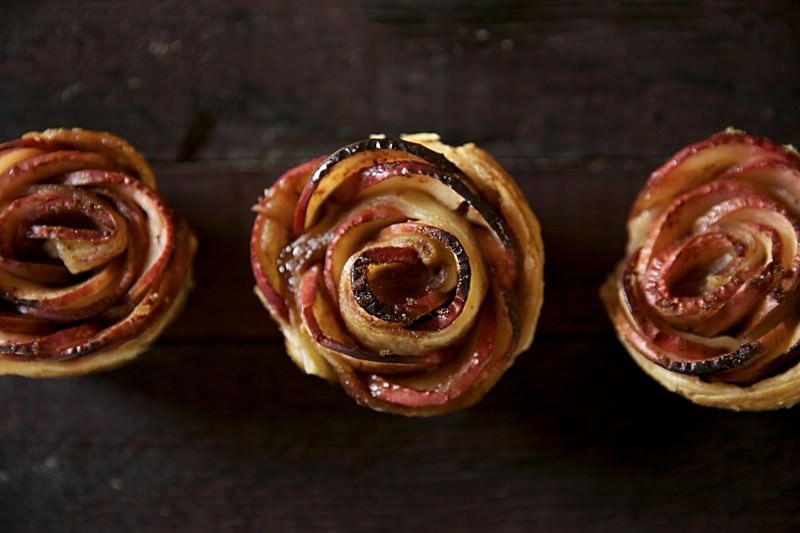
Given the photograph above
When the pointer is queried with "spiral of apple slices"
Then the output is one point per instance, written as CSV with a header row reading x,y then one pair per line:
x,y
706,301
407,270
93,264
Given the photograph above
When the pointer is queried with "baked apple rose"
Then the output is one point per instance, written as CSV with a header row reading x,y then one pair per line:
x,y
93,264
706,300
407,270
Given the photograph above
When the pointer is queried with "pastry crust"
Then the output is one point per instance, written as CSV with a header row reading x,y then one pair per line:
x,y
103,360
706,301
93,264
493,179
406,270
781,391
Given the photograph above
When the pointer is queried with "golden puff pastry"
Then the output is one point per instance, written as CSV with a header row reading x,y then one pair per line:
x,y
706,301
406,270
93,264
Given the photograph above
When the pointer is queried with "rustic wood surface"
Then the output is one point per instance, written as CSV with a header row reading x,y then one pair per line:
x,y
215,430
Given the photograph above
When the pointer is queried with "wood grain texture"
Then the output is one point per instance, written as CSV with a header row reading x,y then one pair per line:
x,y
215,430
241,79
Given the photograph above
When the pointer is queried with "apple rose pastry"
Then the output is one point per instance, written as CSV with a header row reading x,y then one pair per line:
x,y
706,300
407,270
93,264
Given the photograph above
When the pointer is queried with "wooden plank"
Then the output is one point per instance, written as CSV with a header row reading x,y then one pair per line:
x,y
245,80
574,437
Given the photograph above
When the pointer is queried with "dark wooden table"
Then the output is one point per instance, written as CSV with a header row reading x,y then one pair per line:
x,y
215,430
